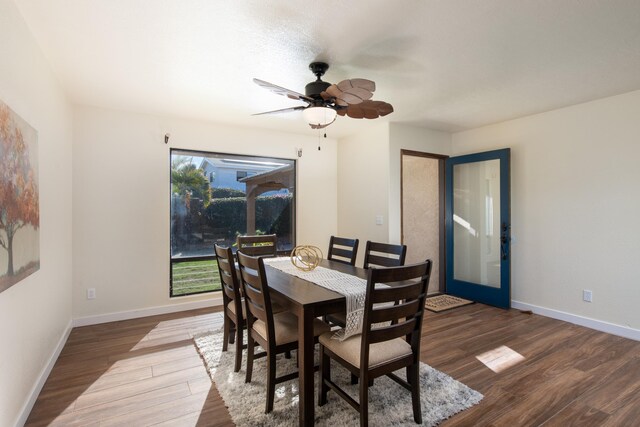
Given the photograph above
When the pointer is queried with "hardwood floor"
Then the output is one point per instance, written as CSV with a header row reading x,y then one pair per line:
x,y
147,372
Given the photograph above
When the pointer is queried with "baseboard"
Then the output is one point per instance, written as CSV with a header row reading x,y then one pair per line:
x,y
598,325
42,378
145,312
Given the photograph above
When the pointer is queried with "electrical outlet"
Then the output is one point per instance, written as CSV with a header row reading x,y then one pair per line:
x,y
91,293
587,296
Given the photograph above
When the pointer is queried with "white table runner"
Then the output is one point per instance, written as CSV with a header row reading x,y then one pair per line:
x,y
353,288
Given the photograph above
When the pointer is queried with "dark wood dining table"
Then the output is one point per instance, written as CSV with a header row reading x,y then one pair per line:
x,y
308,301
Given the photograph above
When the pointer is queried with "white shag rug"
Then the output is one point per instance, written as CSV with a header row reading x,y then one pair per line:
x,y
389,403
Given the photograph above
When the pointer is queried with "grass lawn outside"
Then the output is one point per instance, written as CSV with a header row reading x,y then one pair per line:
x,y
194,276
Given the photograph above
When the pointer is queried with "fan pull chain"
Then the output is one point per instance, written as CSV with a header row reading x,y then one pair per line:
x,y
325,135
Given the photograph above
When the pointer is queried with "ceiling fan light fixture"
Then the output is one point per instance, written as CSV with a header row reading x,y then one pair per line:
x,y
325,101
319,116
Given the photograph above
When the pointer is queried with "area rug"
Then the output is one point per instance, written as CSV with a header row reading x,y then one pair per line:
x,y
389,403
440,303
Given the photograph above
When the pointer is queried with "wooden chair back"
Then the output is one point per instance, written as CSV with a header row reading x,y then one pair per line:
x,y
384,255
404,307
256,292
263,245
228,276
343,250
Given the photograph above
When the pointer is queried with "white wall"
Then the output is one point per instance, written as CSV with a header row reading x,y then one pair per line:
x,y
121,200
575,206
363,193
36,312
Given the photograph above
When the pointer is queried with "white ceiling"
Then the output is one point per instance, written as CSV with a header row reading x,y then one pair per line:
x,y
447,64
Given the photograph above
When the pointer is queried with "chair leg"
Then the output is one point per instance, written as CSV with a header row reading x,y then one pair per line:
x,y
238,349
364,400
413,378
225,332
250,345
325,374
271,381
354,380
232,334
287,354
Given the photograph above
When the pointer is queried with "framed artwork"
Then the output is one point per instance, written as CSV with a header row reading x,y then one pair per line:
x,y
19,199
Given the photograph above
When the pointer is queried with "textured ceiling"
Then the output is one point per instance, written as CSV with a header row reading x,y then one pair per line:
x,y
449,65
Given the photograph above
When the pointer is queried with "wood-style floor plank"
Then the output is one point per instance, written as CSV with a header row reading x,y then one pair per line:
x,y
148,372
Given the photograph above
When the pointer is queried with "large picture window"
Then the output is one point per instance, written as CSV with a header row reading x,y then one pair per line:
x,y
215,198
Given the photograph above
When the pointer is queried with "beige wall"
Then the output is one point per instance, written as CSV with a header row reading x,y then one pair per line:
x,y
404,137
363,193
369,177
121,200
421,213
574,206
36,312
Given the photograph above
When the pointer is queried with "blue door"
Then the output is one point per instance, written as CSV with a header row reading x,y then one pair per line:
x,y
477,222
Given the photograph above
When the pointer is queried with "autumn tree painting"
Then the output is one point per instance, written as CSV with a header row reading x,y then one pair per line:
x,y
19,206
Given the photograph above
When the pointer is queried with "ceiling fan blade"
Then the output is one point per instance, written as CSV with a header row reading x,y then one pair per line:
x,y
355,95
368,110
282,91
383,108
355,112
353,91
284,110
368,85
333,91
327,95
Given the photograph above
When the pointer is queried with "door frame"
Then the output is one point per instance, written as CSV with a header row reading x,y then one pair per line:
x,y
492,296
441,214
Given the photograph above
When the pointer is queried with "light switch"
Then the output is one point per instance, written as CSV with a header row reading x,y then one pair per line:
x,y
379,220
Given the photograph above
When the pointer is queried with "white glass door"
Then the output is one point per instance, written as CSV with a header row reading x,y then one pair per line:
x,y
477,227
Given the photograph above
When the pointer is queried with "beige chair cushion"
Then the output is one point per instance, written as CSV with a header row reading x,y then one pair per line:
x,y
379,353
232,308
286,328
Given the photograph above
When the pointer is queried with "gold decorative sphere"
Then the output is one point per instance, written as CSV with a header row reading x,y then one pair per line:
x,y
306,257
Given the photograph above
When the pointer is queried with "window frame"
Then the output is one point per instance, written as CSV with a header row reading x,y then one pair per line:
x,y
202,153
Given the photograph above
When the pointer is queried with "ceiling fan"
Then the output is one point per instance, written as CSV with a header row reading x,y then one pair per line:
x,y
325,100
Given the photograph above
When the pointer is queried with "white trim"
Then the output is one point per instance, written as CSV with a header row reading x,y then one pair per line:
x,y
42,378
144,312
598,325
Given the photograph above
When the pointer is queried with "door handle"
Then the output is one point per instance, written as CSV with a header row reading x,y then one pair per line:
x,y
504,241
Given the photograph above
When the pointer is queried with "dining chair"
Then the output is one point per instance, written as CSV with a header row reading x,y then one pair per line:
x,y
381,350
376,255
234,309
275,332
384,254
343,250
262,245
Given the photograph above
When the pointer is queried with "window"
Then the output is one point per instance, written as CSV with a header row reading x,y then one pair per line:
x,y
216,197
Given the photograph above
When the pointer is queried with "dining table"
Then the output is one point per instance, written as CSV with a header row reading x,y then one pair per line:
x,y
307,301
